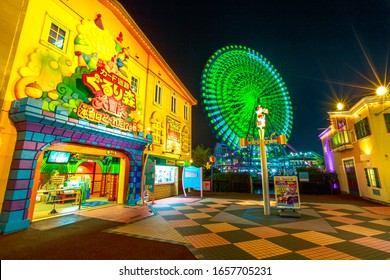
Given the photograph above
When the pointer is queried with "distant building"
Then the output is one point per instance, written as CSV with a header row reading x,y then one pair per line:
x,y
356,147
248,160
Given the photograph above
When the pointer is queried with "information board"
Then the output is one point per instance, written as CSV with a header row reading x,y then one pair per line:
x,y
287,192
192,178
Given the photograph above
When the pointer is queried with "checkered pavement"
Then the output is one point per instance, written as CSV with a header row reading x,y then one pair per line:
x,y
234,229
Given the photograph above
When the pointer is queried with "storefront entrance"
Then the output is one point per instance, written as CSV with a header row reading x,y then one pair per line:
x,y
69,180
39,132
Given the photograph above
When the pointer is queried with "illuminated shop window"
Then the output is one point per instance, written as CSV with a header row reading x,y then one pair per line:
x,y
387,122
362,128
157,132
173,103
372,177
54,35
157,94
185,140
186,112
134,84
165,174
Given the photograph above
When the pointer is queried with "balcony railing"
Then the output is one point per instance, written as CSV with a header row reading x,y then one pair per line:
x,y
343,140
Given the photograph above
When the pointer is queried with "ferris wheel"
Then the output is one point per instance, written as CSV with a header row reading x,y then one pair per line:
x,y
234,82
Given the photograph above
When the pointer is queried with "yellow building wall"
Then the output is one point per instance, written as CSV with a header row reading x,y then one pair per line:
x,y
372,151
18,70
380,149
12,12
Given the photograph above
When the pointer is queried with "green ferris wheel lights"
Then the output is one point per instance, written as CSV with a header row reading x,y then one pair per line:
x,y
235,80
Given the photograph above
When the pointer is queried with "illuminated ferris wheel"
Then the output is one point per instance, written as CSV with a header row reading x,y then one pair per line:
x,y
234,82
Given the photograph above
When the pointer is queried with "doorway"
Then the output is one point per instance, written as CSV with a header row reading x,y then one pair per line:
x,y
349,167
68,180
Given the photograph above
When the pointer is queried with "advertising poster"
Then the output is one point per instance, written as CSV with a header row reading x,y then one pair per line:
x,y
173,135
287,192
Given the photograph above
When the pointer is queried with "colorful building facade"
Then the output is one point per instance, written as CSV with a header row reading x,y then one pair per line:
x,y
356,147
84,97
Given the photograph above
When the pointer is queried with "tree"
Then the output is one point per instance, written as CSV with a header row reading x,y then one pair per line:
x,y
200,156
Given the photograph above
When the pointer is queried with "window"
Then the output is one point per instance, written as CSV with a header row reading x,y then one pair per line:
x,y
165,174
186,112
157,132
362,128
387,122
185,140
173,104
134,84
157,94
372,177
54,35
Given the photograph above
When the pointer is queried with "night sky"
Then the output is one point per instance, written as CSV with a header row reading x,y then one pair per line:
x,y
321,49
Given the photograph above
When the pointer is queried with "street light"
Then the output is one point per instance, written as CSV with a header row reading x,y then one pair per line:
x,y
340,106
380,91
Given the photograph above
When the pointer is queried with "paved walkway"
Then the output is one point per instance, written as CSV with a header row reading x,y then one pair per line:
x,y
224,228
214,228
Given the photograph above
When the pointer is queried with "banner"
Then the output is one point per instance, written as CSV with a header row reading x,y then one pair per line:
x,y
287,192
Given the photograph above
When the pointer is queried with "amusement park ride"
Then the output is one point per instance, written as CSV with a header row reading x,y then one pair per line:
x,y
236,80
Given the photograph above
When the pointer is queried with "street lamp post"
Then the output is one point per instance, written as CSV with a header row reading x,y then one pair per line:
x,y
263,157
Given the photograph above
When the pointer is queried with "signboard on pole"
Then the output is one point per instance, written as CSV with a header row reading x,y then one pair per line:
x,y
287,192
192,178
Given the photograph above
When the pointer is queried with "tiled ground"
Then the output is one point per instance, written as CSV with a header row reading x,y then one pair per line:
x,y
238,229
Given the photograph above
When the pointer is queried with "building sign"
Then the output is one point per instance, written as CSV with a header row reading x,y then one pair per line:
x,y
112,93
111,153
112,103
173,135
89,113
287,192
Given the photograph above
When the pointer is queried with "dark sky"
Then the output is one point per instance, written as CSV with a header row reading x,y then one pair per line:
x,y
313,44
